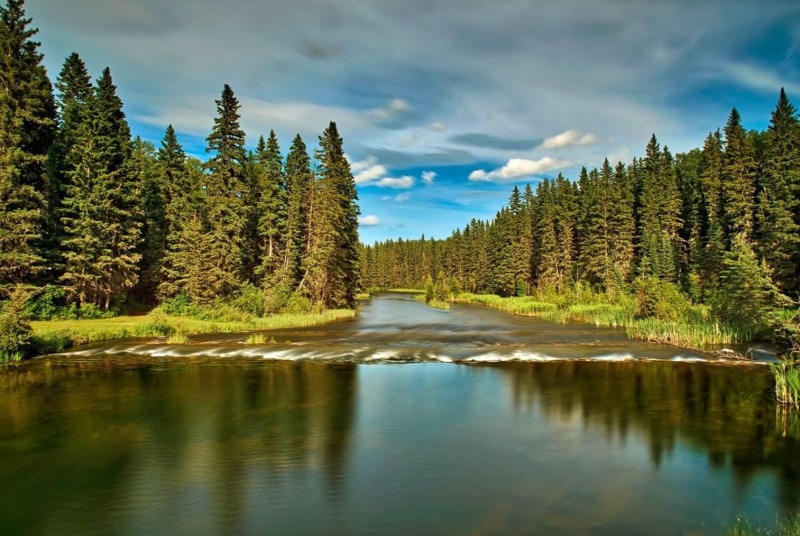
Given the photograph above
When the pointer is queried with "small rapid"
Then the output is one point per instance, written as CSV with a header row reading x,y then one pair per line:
x,y
393,328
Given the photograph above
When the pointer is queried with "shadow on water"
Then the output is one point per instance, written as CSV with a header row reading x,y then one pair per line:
x,y
721,411
145,443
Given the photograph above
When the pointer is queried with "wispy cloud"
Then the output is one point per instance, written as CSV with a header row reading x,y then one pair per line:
x,y
517,168
428,177
396,183
369,221
758,78
569,138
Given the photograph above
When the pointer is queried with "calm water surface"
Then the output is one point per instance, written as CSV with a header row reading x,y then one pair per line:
x,y
533,428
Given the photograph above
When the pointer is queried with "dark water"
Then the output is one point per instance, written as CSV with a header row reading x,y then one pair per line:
x,y
570,430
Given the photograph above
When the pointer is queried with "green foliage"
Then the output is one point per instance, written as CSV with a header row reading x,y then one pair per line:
x,y
159,322
746,294
276,298
251,300
15,333
659,298
787,383
298,304
744,527
259,339
430,290
177,338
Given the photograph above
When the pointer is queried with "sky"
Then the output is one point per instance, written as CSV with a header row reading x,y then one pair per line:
x,y
443,105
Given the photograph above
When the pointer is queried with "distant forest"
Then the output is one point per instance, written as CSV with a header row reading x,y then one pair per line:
x,y
718,225
92,217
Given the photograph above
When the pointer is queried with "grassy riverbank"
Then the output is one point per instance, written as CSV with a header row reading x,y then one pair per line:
x,y
694,328
57,335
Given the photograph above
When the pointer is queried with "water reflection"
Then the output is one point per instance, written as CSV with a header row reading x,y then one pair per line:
x,y
174,448
725,412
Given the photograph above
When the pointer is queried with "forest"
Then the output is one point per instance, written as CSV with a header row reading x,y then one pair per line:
x,y
94,221
710,236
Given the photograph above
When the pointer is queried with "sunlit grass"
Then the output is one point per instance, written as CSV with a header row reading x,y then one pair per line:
x,y
258,339
406,290
57,335
177,338
439,304
787,383
696,330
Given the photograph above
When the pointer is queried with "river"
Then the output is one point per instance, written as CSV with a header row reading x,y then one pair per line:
x,y
404,420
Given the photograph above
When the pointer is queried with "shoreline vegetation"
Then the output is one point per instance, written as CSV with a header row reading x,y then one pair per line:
x,y
53,336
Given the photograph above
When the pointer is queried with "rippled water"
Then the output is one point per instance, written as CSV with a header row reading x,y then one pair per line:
x,y
571,430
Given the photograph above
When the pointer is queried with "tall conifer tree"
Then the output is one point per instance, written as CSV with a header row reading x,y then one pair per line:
x,y
27,128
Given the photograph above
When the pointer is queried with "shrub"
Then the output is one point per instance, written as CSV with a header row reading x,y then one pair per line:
x,y
179,305
15,333
658,298
158,323
250,300
276,298
297,304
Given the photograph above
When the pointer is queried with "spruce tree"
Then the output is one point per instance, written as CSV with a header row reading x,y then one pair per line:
x,y
227,191
101,216
332,258
27,128
144,169
270,206
299,183
738,181
779,200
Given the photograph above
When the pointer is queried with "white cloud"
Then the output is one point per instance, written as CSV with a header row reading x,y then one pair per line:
x,y
438,127
401,198
517,168
758,79
368,170
394,108
429,176
569,138
369,221
399,183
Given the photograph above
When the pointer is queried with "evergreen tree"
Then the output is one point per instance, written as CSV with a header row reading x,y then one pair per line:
x,y
144,169
74,91
779,198
299,183
271,205
738,181
332,258
227,191
101,219
27,128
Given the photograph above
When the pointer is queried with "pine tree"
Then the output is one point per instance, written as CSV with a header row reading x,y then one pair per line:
x,y
227,191
738,181
271,206
299,184
332,258
74,91
144,169
597,203
27,128
779,199
101,216
622,225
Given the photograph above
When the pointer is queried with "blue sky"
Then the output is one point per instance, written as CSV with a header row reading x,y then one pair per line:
x,y
444,105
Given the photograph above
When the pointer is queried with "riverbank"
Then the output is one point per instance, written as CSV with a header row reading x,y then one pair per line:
x,y
52,336
697,331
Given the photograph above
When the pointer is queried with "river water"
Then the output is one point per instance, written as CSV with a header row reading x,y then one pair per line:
x,y
405,420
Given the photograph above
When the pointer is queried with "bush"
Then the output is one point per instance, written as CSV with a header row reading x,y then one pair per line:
x,y
15,333
250,300
297,304
159,324
46,303
658,298
178,305
276,298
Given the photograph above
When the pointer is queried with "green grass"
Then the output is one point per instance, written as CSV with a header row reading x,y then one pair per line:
x,y
744,527
177,338
787,383
694,330
57,335
363,296
439,304
258,339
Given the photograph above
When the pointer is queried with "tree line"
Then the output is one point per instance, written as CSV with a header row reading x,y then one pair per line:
x,y
105,217
720,224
